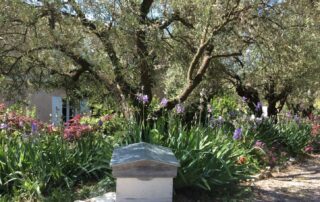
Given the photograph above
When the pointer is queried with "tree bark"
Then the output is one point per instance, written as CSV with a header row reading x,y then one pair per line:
x,y
273,98
251,97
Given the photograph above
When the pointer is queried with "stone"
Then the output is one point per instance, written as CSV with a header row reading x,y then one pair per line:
x,y
108,197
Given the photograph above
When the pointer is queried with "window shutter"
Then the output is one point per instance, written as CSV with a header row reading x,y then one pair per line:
x,y
56,110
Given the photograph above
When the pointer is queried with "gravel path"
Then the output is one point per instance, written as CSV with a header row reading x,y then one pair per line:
x,y
297,183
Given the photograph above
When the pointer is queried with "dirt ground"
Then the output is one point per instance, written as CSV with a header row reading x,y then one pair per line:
x,y
299,182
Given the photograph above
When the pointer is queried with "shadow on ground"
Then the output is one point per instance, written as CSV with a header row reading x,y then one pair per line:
x,y
299,182
281,195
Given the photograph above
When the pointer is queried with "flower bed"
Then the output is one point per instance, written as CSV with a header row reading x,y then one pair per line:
x,y
41,161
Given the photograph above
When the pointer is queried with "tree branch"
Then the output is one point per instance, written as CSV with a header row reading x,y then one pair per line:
x,y
145,8
173,18
196,59
192,84
103,36
84,64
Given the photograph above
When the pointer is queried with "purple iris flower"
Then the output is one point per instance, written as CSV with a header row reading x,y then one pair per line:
x,y
244,99
100,123
237,134
179,108
164,102
143,98
33,127
3,126
296,118
258,106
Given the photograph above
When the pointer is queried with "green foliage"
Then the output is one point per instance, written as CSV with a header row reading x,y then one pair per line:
x,y
222,106
293,137
48,167
208,157
31,167
102,59
211,158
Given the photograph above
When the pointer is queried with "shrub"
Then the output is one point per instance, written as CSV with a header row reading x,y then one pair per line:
x,y
45,162
33,167
289,135
208,157
294,136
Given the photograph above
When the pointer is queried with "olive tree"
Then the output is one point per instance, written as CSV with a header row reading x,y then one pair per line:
x,y
124,48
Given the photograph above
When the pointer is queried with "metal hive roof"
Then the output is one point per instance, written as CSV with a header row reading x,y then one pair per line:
x,y
143,152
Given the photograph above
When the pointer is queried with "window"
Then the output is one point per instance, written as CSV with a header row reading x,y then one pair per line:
x,y
63,109
68,109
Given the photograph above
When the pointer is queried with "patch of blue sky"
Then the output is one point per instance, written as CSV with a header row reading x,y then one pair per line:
x,y
269,4
34,2
273,2
158,12
90,12
97,12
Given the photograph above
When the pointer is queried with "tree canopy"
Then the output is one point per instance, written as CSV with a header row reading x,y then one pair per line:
x,y
121,48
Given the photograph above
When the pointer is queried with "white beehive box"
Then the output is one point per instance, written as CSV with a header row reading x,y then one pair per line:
x,y
144,173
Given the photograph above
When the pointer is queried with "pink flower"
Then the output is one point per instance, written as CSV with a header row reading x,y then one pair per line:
x,y
74,129
259,144
308,149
